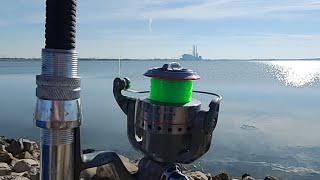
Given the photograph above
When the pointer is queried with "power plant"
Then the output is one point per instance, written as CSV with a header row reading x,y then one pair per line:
x,y
192,57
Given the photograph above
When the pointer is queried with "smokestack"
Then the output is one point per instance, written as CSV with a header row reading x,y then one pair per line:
x,y
196,51
193,51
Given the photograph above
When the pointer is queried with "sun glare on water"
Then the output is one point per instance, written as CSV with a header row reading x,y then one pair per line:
x,y
295,73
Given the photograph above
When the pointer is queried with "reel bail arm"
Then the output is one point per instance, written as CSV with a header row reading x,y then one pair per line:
x,y
120,84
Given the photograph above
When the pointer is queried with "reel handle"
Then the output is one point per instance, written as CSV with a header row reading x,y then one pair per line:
x,y
90,160
101,158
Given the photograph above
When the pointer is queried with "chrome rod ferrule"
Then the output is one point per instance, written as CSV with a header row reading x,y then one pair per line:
x,y
58,62
58,113
55,114
57,154
58,79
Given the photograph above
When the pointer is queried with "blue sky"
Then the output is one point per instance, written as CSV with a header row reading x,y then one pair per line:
x,y
238,29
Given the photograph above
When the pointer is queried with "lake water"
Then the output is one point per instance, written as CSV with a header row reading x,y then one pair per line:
x,y
269,119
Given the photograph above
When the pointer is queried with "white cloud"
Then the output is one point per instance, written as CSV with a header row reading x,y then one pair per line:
x,y
186,9
113,10
233,8
150,24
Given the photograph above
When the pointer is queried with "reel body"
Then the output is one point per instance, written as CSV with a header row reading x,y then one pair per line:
x,y
168,132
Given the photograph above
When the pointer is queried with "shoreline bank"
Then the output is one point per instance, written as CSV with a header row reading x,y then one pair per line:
x,y
20,160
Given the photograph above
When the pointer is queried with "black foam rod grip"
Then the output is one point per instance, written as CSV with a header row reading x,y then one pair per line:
x,y
60,24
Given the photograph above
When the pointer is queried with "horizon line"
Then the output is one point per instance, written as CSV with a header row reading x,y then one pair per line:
x,y
207,59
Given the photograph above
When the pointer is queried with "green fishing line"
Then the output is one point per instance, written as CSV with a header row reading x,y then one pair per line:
x,y
171,91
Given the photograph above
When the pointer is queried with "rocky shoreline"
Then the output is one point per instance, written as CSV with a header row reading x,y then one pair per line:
x,y
20,160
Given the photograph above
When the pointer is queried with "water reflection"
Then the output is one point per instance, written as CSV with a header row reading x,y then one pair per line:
x,y
295,73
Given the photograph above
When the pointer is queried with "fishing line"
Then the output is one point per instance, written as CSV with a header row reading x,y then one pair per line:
x,y
120,52
119,64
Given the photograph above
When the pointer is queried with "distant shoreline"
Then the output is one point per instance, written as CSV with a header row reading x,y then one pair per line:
x,y
157,59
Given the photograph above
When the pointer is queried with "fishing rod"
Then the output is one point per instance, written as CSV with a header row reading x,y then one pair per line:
x,y
58,110
170,125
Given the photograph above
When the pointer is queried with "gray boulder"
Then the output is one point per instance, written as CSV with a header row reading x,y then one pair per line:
x,y
29,145
6,157
14,161
15,147
3,148
88,173
247,176
34,176
25,165
24,174
3,140
20,178
36,155
4,169
107,172
196,175
131,166
221,176
25,155
271,178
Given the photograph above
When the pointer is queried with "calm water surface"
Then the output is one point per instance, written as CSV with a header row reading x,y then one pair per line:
x,y
269,118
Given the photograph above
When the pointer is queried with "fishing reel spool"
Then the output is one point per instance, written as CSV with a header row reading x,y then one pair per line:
x,y
168,132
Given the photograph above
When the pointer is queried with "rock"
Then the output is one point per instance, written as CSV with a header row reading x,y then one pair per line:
x,y
21,166
221,176
3,148
34,176
36,155
271,178
124,159
36,147
3,140
247,177
20,178
6,157
8,141
209,176
24,174
14,161
15,147
196,175
131,167
25,165
88,173
4,169
29,145
107,171
25,155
